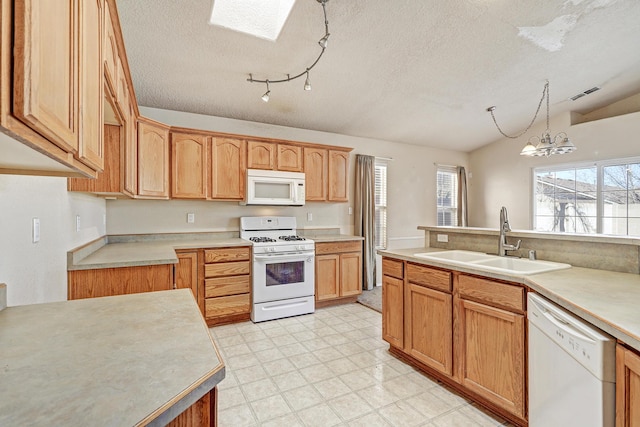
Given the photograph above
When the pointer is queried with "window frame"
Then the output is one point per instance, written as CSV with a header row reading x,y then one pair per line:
x,y
381,242
452,210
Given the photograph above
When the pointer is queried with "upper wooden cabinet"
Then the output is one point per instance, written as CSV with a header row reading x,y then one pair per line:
x,y
228,161
316,170
289,158
188,166
338,176
261,155
153,160
110,49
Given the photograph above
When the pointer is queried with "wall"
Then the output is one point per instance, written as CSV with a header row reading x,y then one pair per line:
x,y
37,272
501,177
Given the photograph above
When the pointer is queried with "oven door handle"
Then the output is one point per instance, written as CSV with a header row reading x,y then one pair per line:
x,y
296,255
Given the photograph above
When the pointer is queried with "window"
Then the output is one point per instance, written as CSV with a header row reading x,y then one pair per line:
x,y
381,204
447,194
598,198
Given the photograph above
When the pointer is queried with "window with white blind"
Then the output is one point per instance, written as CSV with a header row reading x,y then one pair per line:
x,y
601,197
447,195
381,204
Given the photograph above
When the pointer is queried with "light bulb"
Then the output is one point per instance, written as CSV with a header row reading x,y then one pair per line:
x,y
265,97
323,41
307,83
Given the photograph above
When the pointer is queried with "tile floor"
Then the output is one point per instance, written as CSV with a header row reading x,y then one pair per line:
x,y
330,368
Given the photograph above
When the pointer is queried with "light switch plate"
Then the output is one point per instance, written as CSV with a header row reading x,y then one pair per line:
x,y
77,223
35,230
309,216
191,218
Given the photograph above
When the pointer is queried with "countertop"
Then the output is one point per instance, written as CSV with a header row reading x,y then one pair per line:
x,y
335,238
606,299
124,360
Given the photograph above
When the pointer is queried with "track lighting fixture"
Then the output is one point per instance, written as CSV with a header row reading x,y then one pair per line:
x,y
307,84
544,145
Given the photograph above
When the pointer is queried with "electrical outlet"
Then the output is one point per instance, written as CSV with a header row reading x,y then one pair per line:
x,y
443,238
77,223
191,218
35,230
309,216
350,210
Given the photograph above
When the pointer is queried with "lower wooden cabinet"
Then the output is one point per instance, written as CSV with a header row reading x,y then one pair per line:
x,y
227,284
186,274
119,281
393,311
203,413
627,387
338,270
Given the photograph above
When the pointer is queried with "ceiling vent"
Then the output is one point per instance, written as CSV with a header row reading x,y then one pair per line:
x,y
586,92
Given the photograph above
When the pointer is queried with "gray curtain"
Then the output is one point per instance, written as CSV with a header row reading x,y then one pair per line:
x,y
463,214
365,209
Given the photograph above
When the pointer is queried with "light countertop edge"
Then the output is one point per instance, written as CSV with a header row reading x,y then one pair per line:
x,y
609,300
336,238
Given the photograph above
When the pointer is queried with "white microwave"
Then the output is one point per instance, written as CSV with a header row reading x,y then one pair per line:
x,y
266,187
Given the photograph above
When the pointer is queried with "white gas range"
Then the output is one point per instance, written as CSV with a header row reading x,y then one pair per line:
x,y
283,270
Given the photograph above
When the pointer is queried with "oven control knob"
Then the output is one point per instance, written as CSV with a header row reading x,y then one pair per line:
x,y
300,247
272,249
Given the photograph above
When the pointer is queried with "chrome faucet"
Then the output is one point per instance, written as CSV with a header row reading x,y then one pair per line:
x,y
503,247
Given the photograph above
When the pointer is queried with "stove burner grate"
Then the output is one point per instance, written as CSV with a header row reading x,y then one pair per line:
x,y
291,238
262,239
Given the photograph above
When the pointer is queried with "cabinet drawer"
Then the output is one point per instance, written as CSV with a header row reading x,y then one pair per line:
x,y
223,286
392,267
227,269
227,254
338,247
430,277
497,294
224,306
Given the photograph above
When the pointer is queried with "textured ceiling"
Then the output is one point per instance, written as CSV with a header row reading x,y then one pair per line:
x,y
414,71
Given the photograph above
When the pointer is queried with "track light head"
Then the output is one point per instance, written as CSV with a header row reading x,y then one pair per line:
x,y
323,41
307,83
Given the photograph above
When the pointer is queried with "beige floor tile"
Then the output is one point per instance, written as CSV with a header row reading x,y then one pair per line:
x,y
327,354
229,381
364,359
430,405
481,416
254,335
237,416
269,355
401,414
333,387
377,396
242,361
289,381
260,345
259,389
303,360
315,344
283,340
341,366
293,349
350,406
372,419
319,416
357,380
295,328
289,420
454,419
275,332
236,350
382,372
303,397
350,348
230,397
449,396
403,386
316,373
278,367
271,407
228,341
305,335
250,374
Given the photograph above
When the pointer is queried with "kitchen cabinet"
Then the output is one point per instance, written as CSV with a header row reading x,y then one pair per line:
x,y
338,271
627,387
289,158
428,313
186,273
188,165
153,160
393,302
338,176
227,284
316,170
228,160
130,159
203,413
51,86
110,50
490,341
261,155
119,281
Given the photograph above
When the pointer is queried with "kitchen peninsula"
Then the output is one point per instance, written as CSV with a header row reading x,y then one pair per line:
x,y
142,359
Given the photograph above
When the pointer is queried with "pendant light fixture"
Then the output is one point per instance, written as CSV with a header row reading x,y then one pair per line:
x,y
307,84
544,145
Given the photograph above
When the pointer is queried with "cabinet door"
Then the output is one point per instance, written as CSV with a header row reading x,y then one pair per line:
x,y
187,272
350,274
289,158
130,146
490,351
338,176
627,388
110,50
327,277
188,166
393,311
153,161
316,170
261,155
429,324
91,144
228,168
46,69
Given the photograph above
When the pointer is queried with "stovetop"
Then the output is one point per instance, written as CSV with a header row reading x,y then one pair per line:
x,y
274,234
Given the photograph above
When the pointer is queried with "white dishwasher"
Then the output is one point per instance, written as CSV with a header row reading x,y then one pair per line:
x,y
571,369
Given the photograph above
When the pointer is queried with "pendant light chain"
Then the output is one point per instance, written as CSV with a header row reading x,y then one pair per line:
x,y
545,91
307,85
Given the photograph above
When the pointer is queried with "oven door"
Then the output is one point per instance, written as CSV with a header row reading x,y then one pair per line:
x,y
283,276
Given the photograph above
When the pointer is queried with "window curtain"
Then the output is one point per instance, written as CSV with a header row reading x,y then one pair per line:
x,y
463,215
365,216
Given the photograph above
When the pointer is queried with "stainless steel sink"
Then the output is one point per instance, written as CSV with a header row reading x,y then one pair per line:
x,y
486,262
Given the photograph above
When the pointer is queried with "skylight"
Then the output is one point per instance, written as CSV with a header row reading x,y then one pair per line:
x,y
260,18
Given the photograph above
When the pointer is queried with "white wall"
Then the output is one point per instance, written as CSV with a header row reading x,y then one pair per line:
x,y
411,185
501,177
37,272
